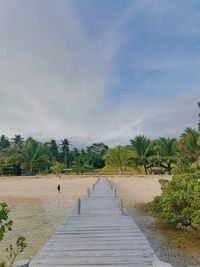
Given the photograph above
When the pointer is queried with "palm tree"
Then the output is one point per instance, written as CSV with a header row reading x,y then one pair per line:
x,y
34,154
142,146
18,140
119,157
166,148
189,143
4,142
82,163
65,150
53,148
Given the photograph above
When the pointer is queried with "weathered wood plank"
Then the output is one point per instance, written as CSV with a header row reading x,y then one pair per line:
x,y
99,235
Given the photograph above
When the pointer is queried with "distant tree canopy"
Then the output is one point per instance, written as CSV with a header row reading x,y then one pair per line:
x,y
157,156
119,157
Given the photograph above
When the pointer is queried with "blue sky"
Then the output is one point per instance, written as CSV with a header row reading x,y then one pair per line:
x,y
99,69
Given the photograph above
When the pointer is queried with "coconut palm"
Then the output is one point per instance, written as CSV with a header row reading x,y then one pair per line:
x,y
17,140
82,163
119,157
53,148
57,168
166,149
189,143
142,146
4,142
34,154
65,151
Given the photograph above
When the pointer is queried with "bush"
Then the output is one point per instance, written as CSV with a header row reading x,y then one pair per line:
x,y
57,168
179,203
6,225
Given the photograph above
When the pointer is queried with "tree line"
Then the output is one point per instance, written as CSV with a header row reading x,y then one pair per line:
x,y
19,156
159,156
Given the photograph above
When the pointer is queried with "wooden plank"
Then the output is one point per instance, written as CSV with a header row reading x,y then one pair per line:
x,y
100,235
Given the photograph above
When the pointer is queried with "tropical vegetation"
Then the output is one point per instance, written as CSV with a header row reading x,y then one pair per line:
x,y
142,155
12,250
179,202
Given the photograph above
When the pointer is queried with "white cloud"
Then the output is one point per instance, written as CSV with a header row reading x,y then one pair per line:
x,y
50,83
178,115
54,77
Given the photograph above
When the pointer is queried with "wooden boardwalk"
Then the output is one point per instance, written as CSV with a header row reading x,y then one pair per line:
x,y
100,236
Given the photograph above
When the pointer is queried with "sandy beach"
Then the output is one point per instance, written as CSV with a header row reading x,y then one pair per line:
x,y
37,208
138,189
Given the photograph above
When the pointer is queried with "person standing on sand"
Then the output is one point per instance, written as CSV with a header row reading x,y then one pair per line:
x,y
58,188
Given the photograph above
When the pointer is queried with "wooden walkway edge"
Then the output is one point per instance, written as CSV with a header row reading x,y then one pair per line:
x,y
101,235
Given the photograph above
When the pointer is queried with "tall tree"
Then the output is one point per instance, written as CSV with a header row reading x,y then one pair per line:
x,y
96,151
119,157
166,149
188,144
17,140
11,159
4,142
82,163
65,151
34,155
53,148
142,146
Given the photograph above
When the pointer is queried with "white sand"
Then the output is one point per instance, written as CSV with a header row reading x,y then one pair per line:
x,y
139,189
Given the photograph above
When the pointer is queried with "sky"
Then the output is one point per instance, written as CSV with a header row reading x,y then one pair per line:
x,y
99,70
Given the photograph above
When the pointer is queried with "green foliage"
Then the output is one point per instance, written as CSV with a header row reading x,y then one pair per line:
x,y
82,163
112,170
143,149
4,142
5,223
97,151
14,251
120,157
11,159
182,168
179,203
57,168
53,149
165,149
34,155
65,151
188,144
150,156
17,140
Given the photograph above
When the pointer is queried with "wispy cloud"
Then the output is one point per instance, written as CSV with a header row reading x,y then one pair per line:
x,y
65,74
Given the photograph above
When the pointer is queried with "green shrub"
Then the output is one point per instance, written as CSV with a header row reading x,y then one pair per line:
x,y
6,225
57,168
179,203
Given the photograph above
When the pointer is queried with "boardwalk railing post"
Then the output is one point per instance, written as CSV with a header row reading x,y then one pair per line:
x,y
115,192
88,192
21,263
79,206
95,237
121,206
